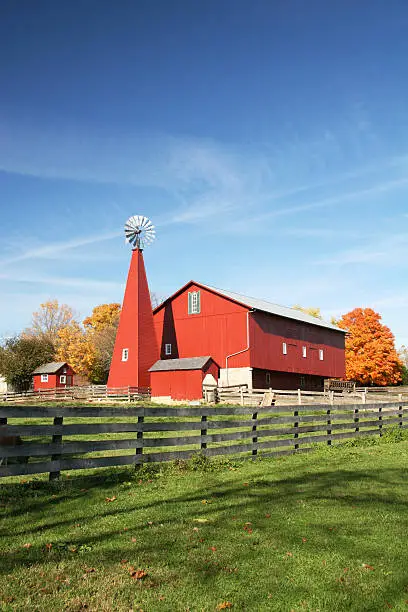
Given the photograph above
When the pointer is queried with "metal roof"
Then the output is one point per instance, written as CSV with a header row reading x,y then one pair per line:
x,y
186,363
276,309
50,368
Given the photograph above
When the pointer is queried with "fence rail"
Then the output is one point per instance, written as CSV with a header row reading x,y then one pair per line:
x,y
89,392
151,434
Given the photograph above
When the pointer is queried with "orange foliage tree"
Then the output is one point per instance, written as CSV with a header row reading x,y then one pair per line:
x,y
76,348
371,357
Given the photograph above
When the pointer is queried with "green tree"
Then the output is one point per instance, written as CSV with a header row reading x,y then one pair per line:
x,y
20,355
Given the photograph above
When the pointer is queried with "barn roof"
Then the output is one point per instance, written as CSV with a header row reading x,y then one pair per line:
x,y
50,368
261,305
186,363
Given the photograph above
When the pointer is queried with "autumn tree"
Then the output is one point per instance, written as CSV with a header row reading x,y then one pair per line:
x,y
19,356
371,357
314,312
101,327
75,347
88,348
49,320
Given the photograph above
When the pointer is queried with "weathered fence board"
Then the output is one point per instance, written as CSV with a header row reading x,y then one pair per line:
x,y
289,429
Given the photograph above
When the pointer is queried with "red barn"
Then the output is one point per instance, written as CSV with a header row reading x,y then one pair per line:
x,y
252,341
53,375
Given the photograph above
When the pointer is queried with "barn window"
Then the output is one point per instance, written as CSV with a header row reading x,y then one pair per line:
x,y
63,379
321,354
304,351
125,354
194,302
167,349
44,377
284,348
268,378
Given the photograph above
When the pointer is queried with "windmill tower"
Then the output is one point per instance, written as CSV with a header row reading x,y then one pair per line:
x,y
136,347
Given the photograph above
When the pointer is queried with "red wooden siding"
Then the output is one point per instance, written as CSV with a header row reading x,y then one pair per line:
x,y
181,384
219,329
268,332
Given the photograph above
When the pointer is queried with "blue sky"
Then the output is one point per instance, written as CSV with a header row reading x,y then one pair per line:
x,y
268,142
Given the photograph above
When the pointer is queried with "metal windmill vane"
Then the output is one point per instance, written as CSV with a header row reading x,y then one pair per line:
x,y
139,232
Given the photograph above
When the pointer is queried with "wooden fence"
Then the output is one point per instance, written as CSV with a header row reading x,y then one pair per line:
x,y
88,392
273,430
251,397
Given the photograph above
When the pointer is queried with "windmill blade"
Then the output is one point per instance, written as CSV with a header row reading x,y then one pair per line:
x,y
139,231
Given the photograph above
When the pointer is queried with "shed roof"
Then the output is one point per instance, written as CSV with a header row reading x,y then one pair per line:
x,y
50,368
261,305
186,363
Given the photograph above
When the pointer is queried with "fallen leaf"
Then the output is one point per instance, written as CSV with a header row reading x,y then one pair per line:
x,y
289,554
123,561
48,546
213,548
110,499
138,574
195,529
369,567
246,484
150,523
304,540
224,605
126,529
388,604
133,540
90,570
204,501
267,515
28,545
83,490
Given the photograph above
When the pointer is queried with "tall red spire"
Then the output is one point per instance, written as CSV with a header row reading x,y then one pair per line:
x,y
136,347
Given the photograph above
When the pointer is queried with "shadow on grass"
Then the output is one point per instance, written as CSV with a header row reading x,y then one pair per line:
x,y
283,511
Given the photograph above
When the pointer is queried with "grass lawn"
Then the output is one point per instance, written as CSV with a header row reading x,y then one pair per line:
x,y
323,531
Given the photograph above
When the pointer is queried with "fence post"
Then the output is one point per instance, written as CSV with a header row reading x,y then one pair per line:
x,y
128,394
380,419
139,450
295,425
299,392
356,419
328,412
254,435
241,393
203,445
364,396
400,413
56,439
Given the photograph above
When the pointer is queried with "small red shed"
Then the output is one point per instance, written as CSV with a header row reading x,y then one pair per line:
x,y
53,375
181,379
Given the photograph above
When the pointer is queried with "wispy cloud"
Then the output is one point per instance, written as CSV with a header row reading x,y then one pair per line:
x,y
61,281
56,249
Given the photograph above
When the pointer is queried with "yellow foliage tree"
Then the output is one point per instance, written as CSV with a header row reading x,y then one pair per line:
x,y
103,316
75,346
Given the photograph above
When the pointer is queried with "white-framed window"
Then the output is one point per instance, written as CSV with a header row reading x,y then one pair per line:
x,y
321,354
194,302
268,378
125,354
63,379
304,351
44,377
167,349
284,348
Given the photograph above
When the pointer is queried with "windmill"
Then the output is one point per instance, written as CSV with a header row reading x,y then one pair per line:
x,y
139,231
136,348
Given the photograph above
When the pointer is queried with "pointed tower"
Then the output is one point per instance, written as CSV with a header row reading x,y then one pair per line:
x,y
136,348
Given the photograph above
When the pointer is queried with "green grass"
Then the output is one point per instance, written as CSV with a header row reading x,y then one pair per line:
x,y
324,531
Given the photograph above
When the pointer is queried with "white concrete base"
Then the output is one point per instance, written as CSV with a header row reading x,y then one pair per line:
x,y
235,376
